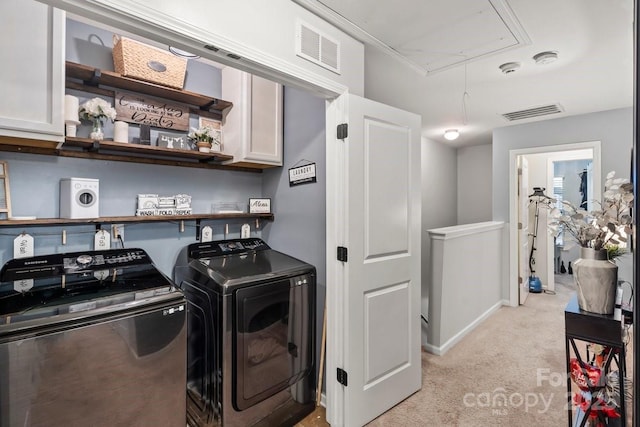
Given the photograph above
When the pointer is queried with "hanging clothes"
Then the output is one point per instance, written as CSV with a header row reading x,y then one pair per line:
x,y
583,188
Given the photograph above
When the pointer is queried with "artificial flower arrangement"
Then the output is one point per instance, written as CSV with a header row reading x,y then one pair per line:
x,y
203,136
603,228
97,109
204,133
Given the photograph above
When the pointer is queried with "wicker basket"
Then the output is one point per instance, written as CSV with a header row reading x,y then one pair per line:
x,y
139,61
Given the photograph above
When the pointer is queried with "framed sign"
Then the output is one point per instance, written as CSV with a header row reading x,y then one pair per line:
x,y
216,126
151,111
5,198
259,205
304,174
177,141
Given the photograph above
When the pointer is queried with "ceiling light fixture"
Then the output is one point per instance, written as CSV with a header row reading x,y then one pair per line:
x,y
547,57
509,67
451,134
182,53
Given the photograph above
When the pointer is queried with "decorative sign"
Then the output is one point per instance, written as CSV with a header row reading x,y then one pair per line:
x,y
154,205
23,246
151,111
206,235
302,174
259,205
23,285
245,231
170,140
102,240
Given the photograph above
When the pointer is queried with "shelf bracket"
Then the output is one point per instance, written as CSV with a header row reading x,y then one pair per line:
x,y
197,230
95,78
208,105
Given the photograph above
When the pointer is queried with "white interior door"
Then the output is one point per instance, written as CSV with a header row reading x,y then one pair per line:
x,y
379,299
523,230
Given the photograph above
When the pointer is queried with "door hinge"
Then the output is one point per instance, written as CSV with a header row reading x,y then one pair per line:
x,y
341,376
343,130
342,253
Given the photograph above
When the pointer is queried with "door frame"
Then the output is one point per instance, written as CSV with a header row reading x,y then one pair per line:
x,y
512,280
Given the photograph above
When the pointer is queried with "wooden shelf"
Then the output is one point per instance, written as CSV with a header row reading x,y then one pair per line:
x,y
139,149
94,80
122,152
130,219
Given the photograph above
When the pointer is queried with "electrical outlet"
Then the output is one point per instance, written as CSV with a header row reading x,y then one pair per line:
x,y
117,230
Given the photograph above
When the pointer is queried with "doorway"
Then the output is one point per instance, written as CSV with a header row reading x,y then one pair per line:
x,y
541,161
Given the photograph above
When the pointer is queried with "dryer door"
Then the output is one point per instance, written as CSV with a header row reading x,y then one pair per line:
x,y
273,340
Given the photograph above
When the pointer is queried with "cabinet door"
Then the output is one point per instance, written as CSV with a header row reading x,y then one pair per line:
x,y
265,143
32,71
252,129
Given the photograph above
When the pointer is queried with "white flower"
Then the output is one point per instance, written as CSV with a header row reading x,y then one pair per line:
x,y
201,134
97,108
599,229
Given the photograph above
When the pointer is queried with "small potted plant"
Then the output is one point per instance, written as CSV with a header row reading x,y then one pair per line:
x,y
202,137
96,110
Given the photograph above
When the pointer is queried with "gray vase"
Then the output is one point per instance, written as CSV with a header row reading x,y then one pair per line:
x,y
597,280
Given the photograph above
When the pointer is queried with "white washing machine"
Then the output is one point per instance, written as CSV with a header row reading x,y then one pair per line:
x,y
79,198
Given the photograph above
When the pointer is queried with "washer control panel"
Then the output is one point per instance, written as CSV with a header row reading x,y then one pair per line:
x,y
106,259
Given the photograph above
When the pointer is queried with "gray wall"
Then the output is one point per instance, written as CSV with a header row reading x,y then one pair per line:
x,y
614,128
439,182
34,190
300,226
474,184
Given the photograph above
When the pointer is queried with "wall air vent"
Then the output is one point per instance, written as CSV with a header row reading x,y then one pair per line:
x,y
316,47
545,110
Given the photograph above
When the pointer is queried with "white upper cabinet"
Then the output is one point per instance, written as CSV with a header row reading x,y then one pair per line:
x,y
252,129
32,71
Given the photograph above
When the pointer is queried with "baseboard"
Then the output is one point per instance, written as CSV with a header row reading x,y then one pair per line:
x,y
439,351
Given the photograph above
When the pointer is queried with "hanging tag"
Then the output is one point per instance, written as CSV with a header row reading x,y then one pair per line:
x,y
245,231
23,285
23,246
102,240
226,230
206,235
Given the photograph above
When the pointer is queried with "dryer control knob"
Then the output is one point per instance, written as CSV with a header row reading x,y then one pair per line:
x,y
84,260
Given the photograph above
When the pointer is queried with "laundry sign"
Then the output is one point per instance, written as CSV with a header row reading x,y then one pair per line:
x,y
304,174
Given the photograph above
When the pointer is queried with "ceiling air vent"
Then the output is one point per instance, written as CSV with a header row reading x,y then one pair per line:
x,y
316,47
534,112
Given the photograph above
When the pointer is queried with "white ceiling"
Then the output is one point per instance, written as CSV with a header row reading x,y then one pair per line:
x,y
453,47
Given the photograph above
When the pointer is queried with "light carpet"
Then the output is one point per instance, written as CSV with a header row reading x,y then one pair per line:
x,y
509,371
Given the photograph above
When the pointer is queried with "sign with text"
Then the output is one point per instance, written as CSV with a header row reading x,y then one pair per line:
x,y
302,174
151,111
259,205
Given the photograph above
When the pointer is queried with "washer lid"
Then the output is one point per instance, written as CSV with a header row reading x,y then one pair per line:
x,y
80,283
250,266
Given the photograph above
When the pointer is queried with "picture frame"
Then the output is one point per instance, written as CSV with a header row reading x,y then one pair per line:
x,y
5,197
216,125
260,205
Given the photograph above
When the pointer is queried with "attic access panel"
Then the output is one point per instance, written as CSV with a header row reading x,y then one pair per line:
x,y
435,35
